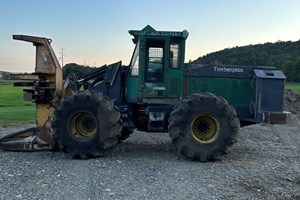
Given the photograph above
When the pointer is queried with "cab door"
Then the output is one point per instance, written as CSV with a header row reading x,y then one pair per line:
x,y
154,79
175,69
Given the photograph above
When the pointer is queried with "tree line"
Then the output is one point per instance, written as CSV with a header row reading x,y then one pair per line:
x,y
78,70
4,75
283,55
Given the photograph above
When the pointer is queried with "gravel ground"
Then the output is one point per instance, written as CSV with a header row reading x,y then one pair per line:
x,y
263,164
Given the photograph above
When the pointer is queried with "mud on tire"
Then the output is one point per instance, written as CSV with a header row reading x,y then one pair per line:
x,y
203,126
86,125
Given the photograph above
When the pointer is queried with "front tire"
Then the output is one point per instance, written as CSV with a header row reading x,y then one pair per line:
x,y
203,126
86,125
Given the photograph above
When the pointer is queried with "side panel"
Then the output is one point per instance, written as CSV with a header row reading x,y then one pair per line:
x,y
235,90
175,82
131,89
270,86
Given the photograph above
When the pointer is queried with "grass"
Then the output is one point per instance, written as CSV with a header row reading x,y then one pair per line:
x,y
13,109
294,86
19,116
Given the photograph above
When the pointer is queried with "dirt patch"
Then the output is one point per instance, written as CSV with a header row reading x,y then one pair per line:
x,y
292,101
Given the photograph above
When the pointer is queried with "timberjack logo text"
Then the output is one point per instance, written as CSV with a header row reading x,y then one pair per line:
x,y
228,70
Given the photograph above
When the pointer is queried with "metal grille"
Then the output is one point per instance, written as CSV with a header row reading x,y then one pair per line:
x,y
155,64
155,54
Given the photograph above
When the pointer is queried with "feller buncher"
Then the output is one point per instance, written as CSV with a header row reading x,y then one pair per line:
x,y
201,106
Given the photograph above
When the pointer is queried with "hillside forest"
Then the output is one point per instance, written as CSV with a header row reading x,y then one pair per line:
x,y
283,55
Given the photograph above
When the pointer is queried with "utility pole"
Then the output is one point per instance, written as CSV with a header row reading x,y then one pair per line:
x,y
62,55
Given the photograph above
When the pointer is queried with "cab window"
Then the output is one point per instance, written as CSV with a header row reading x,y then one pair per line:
x,y
174,55
155,61
134,63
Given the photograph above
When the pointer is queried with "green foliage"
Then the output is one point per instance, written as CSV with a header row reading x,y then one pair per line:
x,y
291,68
284,55
78,70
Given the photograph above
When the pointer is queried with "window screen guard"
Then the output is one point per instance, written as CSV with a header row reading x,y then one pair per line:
x,y
155,63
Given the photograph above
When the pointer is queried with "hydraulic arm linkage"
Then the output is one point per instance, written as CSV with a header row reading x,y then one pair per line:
x,y
47,92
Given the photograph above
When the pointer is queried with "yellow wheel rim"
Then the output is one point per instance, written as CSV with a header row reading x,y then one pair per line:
x,y
205,128
84,126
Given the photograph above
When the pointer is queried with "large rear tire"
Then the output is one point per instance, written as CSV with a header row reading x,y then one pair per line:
x,y
203,126
86,125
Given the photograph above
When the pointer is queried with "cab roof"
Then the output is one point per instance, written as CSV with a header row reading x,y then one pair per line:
x,y
150,31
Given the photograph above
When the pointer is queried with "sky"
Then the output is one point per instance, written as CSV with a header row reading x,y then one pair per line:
x,y
95,32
